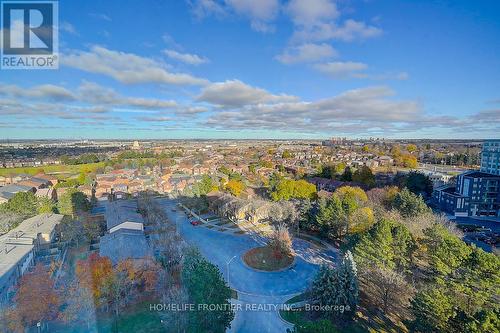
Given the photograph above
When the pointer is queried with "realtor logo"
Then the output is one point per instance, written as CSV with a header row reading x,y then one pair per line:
x,y
29,38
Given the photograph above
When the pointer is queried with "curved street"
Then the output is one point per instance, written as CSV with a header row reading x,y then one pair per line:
x,y
259,293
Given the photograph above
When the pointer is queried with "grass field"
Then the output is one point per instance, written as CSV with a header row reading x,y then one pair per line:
x,y
52,169
263,258
137,319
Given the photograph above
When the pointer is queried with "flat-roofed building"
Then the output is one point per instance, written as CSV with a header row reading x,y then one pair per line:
x,y
40,228
15,259
476,194
19,245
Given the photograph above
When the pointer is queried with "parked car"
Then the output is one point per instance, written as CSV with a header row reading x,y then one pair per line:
x,y
195,223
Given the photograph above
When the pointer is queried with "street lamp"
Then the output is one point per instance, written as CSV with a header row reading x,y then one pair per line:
x,y
227,269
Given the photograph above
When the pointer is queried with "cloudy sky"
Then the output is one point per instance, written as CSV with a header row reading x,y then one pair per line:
x,y
263,69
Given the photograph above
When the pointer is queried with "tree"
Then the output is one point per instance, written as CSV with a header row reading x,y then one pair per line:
x,y
404,247
22,203
409,161
330,217
204,186
71,230
409,204
95,273
80,307
411,148
120,288
365,176
432,309
286,154
416,182
46,205
390,288
72,201
287,189
91,229
447,252
337,288
205,285
36,299
348,279
325,286
353,194
376,246
347,175
235,187
281,241
361,220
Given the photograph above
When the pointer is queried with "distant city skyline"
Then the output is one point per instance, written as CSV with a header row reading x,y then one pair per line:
x,y
242,69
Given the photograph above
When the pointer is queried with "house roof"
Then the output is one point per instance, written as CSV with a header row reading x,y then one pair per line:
x,y
124,244
14,188
118,212
8,191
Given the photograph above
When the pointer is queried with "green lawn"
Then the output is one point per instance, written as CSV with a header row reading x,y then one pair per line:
x,y
300,317
52,169
137,319
298,298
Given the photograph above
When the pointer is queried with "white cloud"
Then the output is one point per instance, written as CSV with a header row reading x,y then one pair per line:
x,y
100,16
308,52
310,12
319,20
203,8
341,69
90,92
156,119
68,27
45,91
264,10
127,68
234,93
348,31
357,111
192,59
260,12
350,69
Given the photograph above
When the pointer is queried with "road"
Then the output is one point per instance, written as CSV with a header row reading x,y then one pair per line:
x,y
256,290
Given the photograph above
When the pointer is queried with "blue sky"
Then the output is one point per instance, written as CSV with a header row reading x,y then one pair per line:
x,y
263,69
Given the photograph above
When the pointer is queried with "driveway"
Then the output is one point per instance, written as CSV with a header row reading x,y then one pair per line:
x,y
254,288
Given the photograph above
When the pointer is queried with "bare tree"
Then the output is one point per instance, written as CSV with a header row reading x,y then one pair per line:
x,y
389,288
281,241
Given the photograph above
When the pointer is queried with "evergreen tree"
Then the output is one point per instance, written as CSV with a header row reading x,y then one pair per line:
x,y
205,285
347,175
409,204
376,246
338,287
348,279
365,176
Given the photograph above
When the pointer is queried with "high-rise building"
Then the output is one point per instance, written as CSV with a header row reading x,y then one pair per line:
x,y
477,193
490,157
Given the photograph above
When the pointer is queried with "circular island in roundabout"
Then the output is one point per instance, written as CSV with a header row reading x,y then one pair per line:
x,y
268,259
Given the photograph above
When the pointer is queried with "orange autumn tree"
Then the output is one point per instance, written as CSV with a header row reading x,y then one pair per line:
x,y
95,273
36,299
116,286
